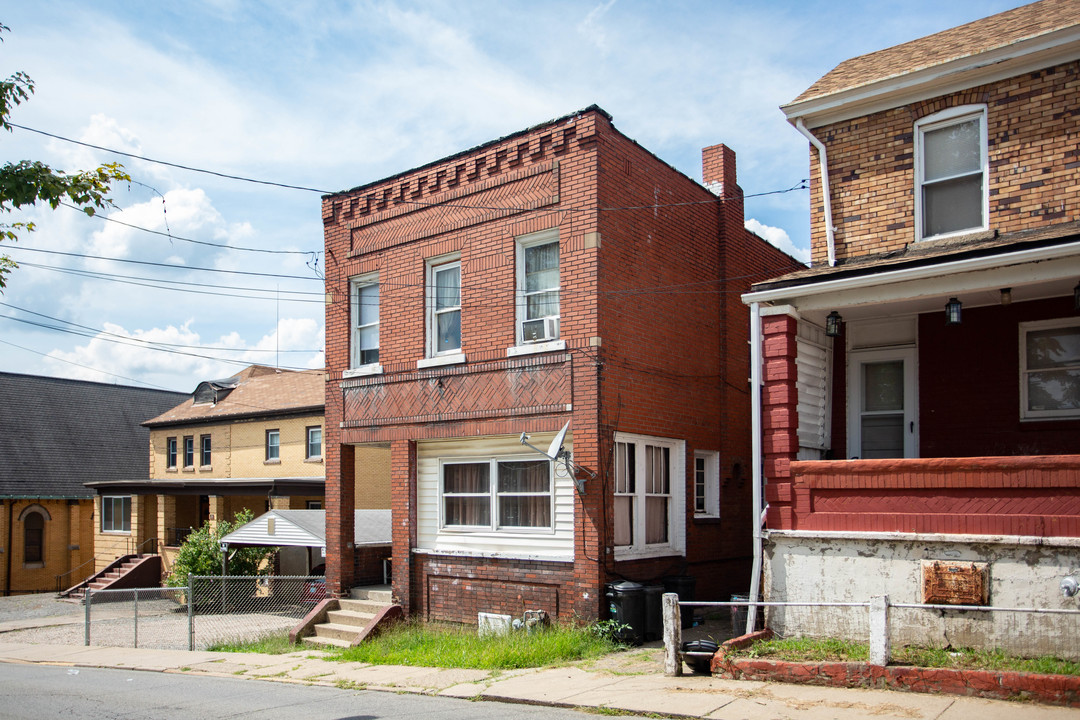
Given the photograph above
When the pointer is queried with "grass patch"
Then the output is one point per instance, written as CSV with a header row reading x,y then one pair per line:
x,y
834,650
453,646
277,644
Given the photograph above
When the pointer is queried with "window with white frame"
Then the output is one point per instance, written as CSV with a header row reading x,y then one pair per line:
x,y
273,445
444,308
314,442
951,172
649,492
706,483
204,451
170,453
538,287
1050,369
496,494
189,451
116,513
364,299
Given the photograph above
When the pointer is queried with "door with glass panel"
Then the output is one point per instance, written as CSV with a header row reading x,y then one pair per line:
x,y
883,412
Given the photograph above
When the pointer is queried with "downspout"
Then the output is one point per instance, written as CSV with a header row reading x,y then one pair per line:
x,y
823,167
757,515
10,539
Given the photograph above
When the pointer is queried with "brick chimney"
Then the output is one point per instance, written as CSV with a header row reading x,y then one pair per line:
x,y
718,175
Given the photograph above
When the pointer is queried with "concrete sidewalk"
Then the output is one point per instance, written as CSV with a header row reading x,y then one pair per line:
x,y
694,696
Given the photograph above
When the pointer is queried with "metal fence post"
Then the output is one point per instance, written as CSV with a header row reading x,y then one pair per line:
x,y
86,620
880,645
191,611
135,640
672,635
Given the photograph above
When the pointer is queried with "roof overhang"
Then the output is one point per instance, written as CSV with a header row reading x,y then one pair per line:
x,y
221,486
1000,63
871,291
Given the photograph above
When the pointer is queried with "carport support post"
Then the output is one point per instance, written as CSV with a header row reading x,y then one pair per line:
x,y
672,635
880,645
190,612
86,621
136,624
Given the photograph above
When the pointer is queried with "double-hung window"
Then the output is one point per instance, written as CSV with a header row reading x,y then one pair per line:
x,y
204,451
273,445
706,483
116,513
497,494
364,299
189,451
444,308
1050,369
314,443
538,287
649,491
951,172
170,453
34,538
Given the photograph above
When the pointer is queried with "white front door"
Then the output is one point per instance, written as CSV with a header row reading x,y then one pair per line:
x,y
882,405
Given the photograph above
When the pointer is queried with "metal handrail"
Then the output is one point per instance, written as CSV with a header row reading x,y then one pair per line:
x,y
59,585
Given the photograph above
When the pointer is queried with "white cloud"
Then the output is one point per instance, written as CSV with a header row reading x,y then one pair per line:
x,y
591,29
779,238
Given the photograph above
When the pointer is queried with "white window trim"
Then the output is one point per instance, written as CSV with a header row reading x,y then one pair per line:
x,y
131,511
951,116
307,443
712,483
267,446
434,265
355,366
493,528
521,244
676,544
1037,415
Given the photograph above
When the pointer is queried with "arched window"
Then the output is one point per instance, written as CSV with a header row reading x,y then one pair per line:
x,y
33,538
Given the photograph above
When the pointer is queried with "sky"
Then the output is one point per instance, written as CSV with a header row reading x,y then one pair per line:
x,y
199,271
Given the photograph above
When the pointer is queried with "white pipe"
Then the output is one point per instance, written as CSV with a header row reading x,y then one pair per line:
x,y
823,166
755,454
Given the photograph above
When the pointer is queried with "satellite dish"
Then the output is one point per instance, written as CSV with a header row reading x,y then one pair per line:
x,y
556,445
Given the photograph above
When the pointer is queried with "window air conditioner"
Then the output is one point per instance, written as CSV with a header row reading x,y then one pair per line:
x,y
540,330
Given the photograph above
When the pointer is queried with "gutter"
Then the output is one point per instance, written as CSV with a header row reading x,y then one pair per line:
x,y
823,167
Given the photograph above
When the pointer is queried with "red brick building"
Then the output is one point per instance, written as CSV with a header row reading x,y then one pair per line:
x,y
921,381
562,274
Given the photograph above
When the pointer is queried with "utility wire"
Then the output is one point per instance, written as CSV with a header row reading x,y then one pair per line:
x,y
86,367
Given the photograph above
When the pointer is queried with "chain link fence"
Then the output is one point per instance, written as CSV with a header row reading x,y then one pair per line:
x,y
209,611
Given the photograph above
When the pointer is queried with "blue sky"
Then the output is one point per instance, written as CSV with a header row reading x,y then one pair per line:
x,y
330,95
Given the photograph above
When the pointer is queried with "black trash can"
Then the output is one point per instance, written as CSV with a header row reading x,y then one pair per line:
x,y
626,605
654,612
683,586
700,663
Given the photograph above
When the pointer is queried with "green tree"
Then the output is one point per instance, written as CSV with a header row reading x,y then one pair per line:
x,y
28,182
201,553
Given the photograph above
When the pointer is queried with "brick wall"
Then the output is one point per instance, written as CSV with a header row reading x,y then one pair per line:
x,y
1032,126
67,544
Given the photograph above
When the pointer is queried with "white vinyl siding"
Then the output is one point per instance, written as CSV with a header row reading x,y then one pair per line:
x,y
548,543
814,363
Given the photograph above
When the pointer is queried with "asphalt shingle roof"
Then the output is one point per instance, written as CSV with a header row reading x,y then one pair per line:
x,y
56,434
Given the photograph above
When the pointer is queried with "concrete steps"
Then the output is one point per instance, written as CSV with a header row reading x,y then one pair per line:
x,y
352,616
106,578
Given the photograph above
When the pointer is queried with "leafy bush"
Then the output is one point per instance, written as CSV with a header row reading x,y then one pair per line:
x,y
201,553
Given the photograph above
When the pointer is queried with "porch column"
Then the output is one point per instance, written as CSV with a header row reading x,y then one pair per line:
x,y
340,520
779,413
403,518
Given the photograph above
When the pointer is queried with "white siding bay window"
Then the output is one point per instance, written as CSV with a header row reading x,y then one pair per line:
x,y
951,172
650,487
484,496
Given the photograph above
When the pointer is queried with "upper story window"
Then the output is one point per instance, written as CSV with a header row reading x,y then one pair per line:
x,y
1050,369
189,451
170,453
649,491
951,172
706,483
503,494
538,287
273,445
204,451
444,308
314,442
364,297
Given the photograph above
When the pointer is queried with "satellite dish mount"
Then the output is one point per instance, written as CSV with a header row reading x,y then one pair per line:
x,y
556,452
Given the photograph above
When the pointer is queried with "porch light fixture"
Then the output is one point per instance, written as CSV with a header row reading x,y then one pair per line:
x,y
952,312
1076,297
833,320
1006,296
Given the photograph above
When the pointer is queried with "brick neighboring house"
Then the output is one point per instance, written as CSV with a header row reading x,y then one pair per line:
x,y
55,434
559,274
253,440
895,434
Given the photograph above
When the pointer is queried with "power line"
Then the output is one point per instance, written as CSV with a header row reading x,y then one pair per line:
x,y
86,367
